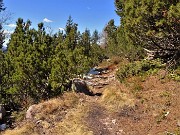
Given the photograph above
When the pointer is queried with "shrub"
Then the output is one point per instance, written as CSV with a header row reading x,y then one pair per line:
x,y
175,74
138,68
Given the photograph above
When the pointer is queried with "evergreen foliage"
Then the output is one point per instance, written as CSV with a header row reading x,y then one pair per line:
x,y
111,39
117,43
138,68
155,25
3,63
39,66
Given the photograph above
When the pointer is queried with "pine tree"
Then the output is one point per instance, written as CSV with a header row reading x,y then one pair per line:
x,y
38,61
86,42
16,54
71,57
3,73
111,39
61,64
29,52
71,34
95,37
40,65
153,25
126,48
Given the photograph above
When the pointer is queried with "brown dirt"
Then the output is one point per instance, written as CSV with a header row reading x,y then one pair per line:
x,y
94,120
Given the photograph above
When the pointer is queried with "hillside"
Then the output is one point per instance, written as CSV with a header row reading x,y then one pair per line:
x,y
136,107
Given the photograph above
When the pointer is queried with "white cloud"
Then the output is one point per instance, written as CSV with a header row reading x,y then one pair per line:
x,y
11,25
47,20
61,29
7,35
7,32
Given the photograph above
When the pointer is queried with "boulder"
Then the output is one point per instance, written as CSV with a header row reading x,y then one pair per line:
x,y
2,112
79,85
3,127
30,112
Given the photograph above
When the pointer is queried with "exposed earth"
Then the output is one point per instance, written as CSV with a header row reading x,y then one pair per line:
x,y
140,106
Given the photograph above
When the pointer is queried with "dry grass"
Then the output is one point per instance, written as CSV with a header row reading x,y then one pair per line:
x,y
157,105
135,85
73,124
48,109
27,129
114,98
46,115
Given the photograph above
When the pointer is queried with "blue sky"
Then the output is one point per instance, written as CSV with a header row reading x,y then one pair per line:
x,y
91,14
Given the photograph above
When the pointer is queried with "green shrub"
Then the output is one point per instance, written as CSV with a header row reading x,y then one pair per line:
x,y
143,67
175,74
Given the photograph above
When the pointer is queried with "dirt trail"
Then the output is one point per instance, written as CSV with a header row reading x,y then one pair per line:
x,y
99,119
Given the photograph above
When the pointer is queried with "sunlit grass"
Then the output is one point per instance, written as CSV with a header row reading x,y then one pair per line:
x,y
73,124
114,99
26,129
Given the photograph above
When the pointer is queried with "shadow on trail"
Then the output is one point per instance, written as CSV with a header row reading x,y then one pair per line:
x,y
80,86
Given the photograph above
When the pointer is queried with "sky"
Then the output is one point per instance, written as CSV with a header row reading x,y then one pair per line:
x,y
90,14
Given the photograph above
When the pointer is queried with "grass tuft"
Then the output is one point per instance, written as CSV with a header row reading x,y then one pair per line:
x,y
114,99
27,129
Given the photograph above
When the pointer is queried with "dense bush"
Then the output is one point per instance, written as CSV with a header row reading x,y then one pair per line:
x,y
39,66
138,68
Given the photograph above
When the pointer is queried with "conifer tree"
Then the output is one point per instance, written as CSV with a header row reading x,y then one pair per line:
x,y
3,73
153,25
72,56
16,55
40,65
111,39
86,42
71,34
29,52
95,37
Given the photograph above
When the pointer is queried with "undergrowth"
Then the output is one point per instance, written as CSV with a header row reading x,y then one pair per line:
x,y
142,68
175,74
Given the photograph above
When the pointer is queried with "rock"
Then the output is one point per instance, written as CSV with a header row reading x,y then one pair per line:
x,y
2,112
87,77
30,112
79,85
3,127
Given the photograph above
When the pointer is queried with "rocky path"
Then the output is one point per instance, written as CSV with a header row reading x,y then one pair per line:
x,y
99,119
